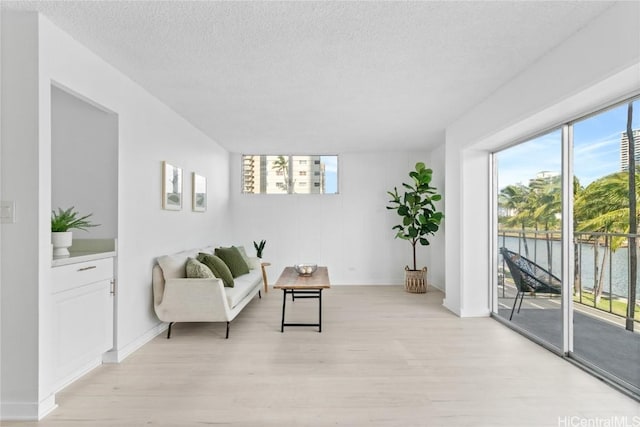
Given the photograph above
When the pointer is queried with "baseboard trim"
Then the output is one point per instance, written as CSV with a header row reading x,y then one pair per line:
x,y
78,373
454,310
475,313
27,411
461,312
47,406
431,285
118,355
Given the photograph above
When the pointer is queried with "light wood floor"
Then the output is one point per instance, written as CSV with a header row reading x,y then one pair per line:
x,y
384,357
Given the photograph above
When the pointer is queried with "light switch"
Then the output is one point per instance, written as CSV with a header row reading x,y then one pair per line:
x,y
7,212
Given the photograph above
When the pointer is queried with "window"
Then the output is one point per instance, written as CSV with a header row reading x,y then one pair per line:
x,y
279,174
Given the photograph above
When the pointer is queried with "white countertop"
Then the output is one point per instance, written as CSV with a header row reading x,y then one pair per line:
x,y
84,256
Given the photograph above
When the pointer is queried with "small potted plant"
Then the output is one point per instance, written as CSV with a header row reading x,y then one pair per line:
x,y
63,221
419,219
259,247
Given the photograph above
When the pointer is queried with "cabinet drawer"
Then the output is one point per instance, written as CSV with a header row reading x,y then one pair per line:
x,y
83,273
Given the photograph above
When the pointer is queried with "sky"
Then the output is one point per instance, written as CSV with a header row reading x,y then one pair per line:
x,y
331,173
596,150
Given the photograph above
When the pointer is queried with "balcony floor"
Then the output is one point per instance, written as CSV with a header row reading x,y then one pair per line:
x,y
599,337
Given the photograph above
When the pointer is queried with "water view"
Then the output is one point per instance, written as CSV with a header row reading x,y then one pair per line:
x,y
616,263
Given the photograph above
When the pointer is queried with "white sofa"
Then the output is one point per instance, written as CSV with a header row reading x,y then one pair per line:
x,y
179,299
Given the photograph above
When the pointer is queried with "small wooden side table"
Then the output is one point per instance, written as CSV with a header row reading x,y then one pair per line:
x,y
264,275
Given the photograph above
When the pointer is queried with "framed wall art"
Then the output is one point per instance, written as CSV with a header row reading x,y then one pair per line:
x,y
199,190
171,187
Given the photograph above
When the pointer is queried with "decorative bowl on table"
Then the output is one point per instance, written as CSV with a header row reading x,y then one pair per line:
x,y
305,269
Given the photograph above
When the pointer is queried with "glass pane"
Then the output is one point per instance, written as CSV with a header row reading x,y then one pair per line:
x,y
602,291
286,174
314,174
265,174
530,237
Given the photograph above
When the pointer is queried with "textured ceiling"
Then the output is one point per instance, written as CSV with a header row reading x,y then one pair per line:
x,y
320,77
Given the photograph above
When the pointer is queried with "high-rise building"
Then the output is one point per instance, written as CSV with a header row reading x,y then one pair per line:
x,y
250,179
543,178
283,174
624,149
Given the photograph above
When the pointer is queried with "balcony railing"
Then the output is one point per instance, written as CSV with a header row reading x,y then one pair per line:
x,y
601,271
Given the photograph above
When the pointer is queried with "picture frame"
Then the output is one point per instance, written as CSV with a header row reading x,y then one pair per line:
x,y
171,187
199,192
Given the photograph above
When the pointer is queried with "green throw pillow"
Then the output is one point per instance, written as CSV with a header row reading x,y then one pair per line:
x,y
218,267
245,257
233,258
197,270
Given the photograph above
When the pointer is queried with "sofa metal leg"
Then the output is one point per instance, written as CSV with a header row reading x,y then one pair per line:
x,y
227,337
169,331
259,295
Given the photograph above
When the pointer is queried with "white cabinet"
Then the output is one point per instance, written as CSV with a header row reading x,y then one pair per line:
x,y
83,299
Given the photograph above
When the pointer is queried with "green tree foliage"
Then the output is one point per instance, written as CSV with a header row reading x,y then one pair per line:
x,y
603,206
514,201
282,166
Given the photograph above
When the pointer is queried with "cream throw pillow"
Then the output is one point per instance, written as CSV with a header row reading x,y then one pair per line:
x,y
197,270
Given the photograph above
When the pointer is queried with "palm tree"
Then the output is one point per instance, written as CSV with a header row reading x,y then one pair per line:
x,y
546,202
633,222
603,206
516,198
281,165
577,274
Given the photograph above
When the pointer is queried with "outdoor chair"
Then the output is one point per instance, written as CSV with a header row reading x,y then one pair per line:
x,y
529,277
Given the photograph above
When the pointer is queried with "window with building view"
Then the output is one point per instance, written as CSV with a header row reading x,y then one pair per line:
x,y
286,174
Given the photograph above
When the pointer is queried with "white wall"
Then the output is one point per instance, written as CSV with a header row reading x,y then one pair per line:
x,y
35,54
20,347
350,232
436,247
596,66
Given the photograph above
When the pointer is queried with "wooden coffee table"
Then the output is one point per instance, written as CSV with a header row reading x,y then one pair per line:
x,y
302,287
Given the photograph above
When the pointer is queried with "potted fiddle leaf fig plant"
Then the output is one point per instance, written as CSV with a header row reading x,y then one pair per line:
x,y
61,222
420,219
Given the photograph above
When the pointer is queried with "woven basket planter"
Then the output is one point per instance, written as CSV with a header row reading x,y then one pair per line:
x,y
415,281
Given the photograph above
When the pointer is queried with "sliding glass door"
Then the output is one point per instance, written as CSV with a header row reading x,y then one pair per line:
x,y
581,169
529,177
605,280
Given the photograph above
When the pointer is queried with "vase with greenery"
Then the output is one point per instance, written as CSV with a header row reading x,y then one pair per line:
x,y
61,222
420,218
